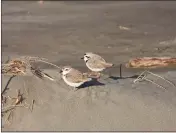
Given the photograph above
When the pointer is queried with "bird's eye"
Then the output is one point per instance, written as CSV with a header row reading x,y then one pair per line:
x,y
87,56
66,69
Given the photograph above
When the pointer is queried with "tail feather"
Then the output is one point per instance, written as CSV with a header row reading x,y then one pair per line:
x,y
109,64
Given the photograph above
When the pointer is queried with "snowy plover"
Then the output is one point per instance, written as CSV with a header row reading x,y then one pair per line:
x,y
73,77
95,62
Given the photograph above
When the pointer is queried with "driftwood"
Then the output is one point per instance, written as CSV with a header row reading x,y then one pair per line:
x,y
151,62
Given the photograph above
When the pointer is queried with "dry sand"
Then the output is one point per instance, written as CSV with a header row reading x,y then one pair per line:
x,y
63,32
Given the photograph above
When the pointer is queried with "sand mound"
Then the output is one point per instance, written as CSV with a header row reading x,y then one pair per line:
x,y
109,106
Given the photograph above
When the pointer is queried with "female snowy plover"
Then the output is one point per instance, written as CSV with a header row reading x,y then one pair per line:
x,y
95,62
73,77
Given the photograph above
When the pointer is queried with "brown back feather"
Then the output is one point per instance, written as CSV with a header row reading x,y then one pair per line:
x,y
76,76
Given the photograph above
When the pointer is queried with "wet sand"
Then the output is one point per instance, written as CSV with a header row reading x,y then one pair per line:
x,y
62,32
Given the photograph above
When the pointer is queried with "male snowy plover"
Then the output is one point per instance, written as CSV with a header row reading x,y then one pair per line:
x,y
73,77
95,62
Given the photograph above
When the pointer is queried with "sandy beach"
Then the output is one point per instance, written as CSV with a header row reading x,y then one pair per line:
x,y
118,31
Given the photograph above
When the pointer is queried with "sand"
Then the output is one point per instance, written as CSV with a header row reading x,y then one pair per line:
x,y
62,32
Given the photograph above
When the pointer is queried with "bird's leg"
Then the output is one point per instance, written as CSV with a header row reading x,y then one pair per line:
x,y
99,75
93,74
89,72
75,89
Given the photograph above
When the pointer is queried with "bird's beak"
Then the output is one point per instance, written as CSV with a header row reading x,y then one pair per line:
x,y
61,71
82,57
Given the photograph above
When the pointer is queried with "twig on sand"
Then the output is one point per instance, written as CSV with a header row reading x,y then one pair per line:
x,y
32,105
37,72
18,100
142,76
8,115
10,107
21,65
38,59
3,100
6,87
8,110
152,62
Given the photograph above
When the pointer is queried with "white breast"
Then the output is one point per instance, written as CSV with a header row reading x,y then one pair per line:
x,y
71,83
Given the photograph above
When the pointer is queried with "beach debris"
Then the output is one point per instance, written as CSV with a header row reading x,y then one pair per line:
x,y
8,116
22,65
151,62
124,28
17,102
32,105
15,67
3,100
143,76
19,99
37,72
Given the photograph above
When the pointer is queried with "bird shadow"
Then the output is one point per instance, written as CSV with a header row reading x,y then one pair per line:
x,y
116,78
93,82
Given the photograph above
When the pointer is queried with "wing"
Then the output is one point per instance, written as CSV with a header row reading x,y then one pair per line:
x,y
98,64
76,76
99,58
